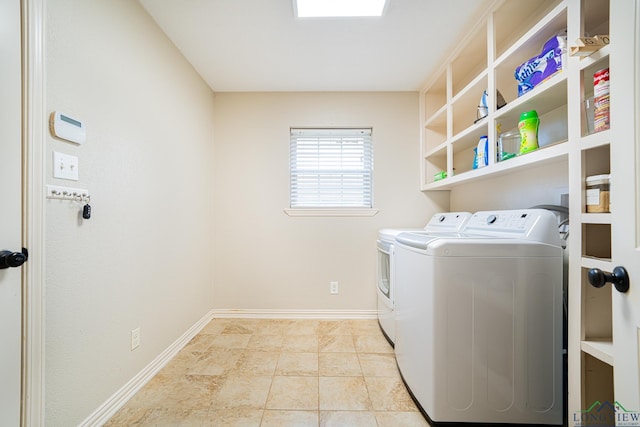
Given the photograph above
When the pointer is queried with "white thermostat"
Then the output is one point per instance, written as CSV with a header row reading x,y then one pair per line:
x,y
68,128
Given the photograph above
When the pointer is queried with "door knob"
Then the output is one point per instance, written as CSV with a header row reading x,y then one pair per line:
x,y
13,259
619,278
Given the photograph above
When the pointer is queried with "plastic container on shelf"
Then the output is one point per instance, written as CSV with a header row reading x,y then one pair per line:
x,y
601,100
440,176
588,111
528,127
508,145
597,193
482,153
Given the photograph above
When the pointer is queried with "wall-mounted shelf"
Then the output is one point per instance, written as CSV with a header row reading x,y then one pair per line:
x,y
595,140
543,156
596,218
485,61
600,349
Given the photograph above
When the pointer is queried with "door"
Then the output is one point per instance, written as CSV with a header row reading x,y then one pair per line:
x,y
625,228
10,211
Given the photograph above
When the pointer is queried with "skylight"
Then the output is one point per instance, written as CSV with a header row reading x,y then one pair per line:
x,y
338,8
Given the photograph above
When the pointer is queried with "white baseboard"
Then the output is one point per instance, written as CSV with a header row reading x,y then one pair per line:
x,y
109,408
294,314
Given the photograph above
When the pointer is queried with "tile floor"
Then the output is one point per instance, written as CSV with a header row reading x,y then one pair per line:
x,y
257,372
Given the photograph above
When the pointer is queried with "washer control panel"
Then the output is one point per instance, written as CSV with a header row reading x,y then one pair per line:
x,y
531,224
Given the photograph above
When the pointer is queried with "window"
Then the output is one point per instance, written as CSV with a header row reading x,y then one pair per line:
x,y
331,168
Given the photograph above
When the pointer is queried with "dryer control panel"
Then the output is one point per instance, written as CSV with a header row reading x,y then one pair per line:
x,y
450,221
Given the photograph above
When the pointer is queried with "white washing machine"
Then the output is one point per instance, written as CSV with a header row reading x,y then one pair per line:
x,y
479,320
440,222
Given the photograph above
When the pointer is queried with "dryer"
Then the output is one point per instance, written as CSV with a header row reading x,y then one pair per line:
x,y
479,320
385,278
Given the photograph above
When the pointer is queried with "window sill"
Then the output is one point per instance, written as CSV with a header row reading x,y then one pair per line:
x,y
331,212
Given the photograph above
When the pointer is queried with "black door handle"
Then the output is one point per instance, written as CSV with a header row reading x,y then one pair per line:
x,y
13,259
618,277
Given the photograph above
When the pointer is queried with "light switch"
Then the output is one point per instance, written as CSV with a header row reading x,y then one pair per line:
x,y
65,166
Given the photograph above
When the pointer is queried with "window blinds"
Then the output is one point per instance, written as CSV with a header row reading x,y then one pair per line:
x,y
331,168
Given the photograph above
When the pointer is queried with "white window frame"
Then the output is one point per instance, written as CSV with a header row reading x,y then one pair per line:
x,y
331,172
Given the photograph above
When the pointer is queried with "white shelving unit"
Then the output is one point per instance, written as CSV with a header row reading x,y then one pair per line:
x,y
486,60
511,32
591,349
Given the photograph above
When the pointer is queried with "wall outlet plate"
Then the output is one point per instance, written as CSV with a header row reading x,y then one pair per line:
x,y
135,338
333,288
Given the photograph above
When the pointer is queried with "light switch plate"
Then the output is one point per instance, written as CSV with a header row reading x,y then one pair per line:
x,y
65,166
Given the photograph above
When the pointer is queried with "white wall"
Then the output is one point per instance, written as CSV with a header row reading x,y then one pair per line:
x,y
542,185
165,245
143,259
265,259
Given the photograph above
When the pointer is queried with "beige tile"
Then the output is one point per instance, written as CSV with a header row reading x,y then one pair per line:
x,y
297,364
274,418
300,343
336,344
339,365
199,343
378,364
389,394
265,342
194,392
156,392
238,329
348,418
129,416
334,327
216,361
344,393
272,327
303,327
257,362
189,392
372,344
220,321
235,417
243,392
243,323
224,377
401,419
230,341
293,393
177,417
181,362
229,325
214,327
365,327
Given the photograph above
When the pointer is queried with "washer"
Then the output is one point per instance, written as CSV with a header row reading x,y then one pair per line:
x,y
479,320
440,222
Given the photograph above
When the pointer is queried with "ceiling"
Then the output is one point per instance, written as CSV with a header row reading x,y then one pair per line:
x,y
258,45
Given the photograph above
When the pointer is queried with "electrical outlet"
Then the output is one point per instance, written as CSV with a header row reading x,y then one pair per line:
x,y
333,287
135,338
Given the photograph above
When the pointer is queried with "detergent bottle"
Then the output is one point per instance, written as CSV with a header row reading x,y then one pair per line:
x,y
528,127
